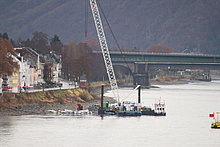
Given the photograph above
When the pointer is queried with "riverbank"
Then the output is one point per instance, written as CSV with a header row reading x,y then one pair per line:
x,y
36,109
12,104
39,102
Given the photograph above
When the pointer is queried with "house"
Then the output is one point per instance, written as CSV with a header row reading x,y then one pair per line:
x,y
29,74
31,67
55,65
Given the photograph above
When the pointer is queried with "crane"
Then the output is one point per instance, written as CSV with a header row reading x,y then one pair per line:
x,y
104,48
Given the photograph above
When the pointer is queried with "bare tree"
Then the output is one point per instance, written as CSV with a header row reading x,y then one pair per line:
x,y
7,63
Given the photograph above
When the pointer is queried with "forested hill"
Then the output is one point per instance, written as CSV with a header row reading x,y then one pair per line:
x,y
136,23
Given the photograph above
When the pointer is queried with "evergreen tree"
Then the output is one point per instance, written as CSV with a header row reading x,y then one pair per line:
x,y
56,45
5,36
55,38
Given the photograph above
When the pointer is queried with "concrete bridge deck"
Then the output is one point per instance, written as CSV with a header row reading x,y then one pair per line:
x,y
160,60
164,57
141,62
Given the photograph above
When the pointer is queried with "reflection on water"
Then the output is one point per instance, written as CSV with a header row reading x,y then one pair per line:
x,y
5,125
186,124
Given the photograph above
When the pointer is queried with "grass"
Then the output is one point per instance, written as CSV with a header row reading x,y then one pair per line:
x,y
48,97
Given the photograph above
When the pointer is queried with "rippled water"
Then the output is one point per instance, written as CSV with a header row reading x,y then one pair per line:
x,y
186,124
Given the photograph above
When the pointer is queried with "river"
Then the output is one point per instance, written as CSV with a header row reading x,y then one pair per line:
x,y
187,123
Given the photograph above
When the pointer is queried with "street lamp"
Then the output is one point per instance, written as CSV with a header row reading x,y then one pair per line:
x,y
23,78
24,87
1,93
39,79
69,79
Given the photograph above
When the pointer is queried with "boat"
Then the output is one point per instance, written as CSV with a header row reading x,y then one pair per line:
x,y
119,109
124,108
128,109
215,125
216,117
158,110
204,77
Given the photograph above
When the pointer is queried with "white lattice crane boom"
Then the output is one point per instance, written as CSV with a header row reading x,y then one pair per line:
x,y
104,47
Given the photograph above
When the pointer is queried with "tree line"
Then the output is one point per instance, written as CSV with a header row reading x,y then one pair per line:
x,y
77,58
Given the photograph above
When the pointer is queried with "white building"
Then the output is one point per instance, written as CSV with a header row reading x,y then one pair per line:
x,y
29,74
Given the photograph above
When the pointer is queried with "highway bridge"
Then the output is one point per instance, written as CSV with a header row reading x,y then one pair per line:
x,y
141,62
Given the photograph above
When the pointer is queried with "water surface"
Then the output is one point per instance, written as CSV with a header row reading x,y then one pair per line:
x,y
186,124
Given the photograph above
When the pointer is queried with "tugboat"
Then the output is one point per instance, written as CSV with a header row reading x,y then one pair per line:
x,y
216,117
159,109
135,109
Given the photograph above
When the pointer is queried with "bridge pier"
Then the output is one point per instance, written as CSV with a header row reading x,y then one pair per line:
x,y
141,79
141,76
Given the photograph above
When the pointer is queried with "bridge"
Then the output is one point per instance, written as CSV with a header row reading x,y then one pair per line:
x,y
141,62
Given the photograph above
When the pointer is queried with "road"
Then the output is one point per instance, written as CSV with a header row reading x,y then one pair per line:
x,y
66,85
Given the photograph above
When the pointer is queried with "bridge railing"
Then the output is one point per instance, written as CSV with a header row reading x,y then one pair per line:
x,y
162,57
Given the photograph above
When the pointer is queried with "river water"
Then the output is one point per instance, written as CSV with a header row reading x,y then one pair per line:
x,y
187,123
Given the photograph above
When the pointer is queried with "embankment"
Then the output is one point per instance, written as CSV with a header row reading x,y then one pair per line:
x,y
39,102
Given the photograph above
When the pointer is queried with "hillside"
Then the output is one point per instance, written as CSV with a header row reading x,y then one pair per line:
x,y
136,23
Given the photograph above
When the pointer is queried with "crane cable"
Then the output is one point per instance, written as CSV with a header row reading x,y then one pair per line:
x,y
117,45
86,33
123,56
86,18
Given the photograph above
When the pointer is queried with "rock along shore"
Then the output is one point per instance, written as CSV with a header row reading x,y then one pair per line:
x,y
40,109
